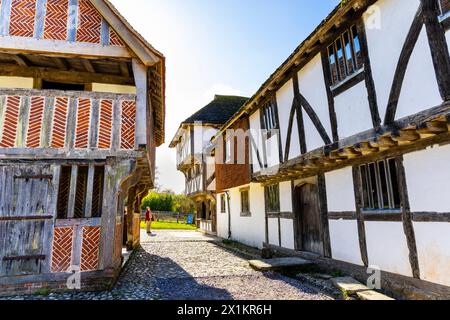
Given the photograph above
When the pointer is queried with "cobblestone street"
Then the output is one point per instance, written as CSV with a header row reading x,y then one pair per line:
x,y
187,265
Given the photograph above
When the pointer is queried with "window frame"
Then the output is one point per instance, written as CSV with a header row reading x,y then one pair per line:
x,y
223,208
245,213
275,190
356,69
374,182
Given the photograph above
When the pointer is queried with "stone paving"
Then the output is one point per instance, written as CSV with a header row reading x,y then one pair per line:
x,y
187,265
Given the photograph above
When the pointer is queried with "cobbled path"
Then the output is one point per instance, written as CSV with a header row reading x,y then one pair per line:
x,y
187,265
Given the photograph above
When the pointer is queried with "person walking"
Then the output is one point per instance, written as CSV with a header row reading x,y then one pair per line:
x,y
148,220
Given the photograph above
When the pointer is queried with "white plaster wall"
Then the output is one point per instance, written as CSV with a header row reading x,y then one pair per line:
x,y
285,197
340,190
285,98
420,90
222,219
16,83
102,87
247,230
272,151
433,250
312,87
385,45
352,111
273,232
387,247
202,137
287,233
255,127
345,241
428,176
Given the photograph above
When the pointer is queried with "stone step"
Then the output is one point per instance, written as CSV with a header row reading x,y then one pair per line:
x,y
279,263
351,287
373,296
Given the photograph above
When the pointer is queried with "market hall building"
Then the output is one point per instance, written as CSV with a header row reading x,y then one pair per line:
x,y
81,115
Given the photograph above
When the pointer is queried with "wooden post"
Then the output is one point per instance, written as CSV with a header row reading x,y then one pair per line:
x,y
72,192
359,216
140,77
406,218
89,191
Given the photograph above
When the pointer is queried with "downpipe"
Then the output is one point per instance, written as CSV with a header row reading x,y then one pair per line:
x,y
227,193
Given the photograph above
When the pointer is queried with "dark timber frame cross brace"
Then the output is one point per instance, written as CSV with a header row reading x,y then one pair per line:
x,y
427,15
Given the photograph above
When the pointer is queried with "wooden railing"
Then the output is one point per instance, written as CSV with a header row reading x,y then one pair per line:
x,y
48,119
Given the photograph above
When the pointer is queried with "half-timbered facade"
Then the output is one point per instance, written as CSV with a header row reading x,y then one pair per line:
x,y
349,148
81,113
194,158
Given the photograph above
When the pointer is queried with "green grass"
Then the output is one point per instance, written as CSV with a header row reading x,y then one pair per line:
x,y
162,225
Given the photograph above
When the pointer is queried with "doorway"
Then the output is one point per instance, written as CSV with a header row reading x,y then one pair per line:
x,y
308,234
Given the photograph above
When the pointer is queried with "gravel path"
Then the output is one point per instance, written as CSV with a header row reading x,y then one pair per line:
x,y
186,265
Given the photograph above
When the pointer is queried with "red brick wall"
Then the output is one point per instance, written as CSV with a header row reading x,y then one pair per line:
x,y
233,175
22,18
127,133
90,249
62,249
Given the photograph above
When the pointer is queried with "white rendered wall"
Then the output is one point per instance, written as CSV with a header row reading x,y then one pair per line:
x,y
428,176
285,98
247,230
273,232
387,247
340,190
312,87
385,44
16,83
285,197
222,218
255,127
287,233
352,111
433,250
345,241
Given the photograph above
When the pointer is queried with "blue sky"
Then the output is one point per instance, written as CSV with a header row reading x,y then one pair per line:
x,y
217,47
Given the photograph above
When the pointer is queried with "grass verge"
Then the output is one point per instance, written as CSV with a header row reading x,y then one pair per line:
x,y
164,225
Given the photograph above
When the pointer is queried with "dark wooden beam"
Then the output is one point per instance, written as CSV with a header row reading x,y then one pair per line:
x,y
299,113
400,72
57,75
370,84
438,46
407,218
359,216
314,118
331,109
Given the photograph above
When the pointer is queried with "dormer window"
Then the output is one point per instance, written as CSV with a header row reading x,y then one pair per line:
x,y
269,119
344,56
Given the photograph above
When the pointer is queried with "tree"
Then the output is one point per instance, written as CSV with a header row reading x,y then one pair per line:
x,y
183,204
158,201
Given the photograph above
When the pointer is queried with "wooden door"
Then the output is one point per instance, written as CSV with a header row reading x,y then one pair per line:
x,y
26,221
307,219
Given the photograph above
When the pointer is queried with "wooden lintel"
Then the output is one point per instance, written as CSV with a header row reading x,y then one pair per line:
x,y
20,45
57,75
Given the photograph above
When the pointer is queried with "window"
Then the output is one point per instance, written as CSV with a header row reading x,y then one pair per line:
x,y
222,203
444,6
273,198
344,56
380,185
81,192
245,202
268,116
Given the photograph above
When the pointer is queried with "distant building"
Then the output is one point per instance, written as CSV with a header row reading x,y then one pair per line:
x,y
81,113
195,162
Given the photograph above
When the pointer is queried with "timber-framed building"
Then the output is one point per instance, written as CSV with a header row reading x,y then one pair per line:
x,y
81,113
353,168
195,160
